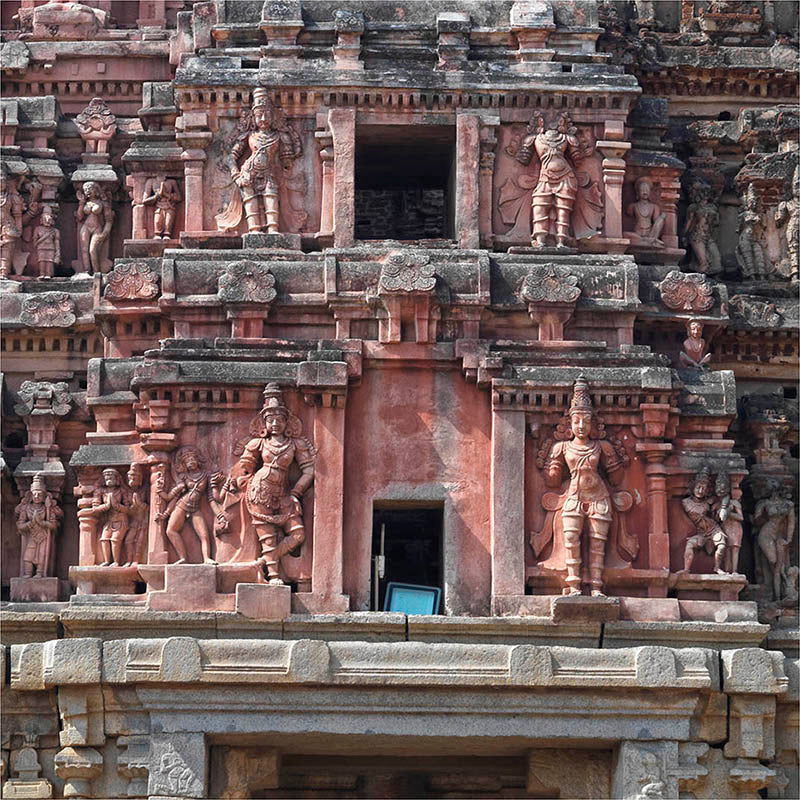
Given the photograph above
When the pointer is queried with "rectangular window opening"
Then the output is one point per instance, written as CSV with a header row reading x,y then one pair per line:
x,y
410,539
405,181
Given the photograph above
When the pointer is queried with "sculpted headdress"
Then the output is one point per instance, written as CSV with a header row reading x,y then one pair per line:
x,y
581,399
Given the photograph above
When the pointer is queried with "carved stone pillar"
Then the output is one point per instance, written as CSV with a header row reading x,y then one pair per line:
x,y
488,137
133,762
324,138
507,519
342,123
87,522
193,135
613,150
467,182
670,194
158,447
135,184
655,472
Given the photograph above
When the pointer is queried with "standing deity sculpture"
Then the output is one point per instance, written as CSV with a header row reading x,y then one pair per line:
x,y
749,252
261,157
138,515
702,218
109,505
593,465
694,353
164,194
12,208
731,517
262,474
558,150
648,218
788,213
193,484
34,207
37,518
95,218
703,511
47,243
776,516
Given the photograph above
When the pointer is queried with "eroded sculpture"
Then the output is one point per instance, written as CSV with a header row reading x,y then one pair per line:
x,y
262,154
749,252
12,207
138,514
47,243
37,517
559,152
96,125
163,194
594,465
788,213
694,353
262,478
95,218
775,516
703,509
648,218
702,218
110,507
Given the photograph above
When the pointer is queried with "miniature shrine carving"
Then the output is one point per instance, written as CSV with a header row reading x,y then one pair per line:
x,y
164,195
706,513
788,214
96,125
683,291
48,310
260,161
775,515
702,218
749,252
47,243
565,203
594,465
648,217
95,218
694,353
261,478
12,207
131,280
112,511
37,518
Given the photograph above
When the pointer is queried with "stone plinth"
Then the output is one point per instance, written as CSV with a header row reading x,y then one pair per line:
x,y
104,580
34,590
581,608
271,241
263,601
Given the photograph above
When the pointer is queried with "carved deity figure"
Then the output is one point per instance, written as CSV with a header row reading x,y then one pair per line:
x,y
694,347
702,218
261,157
731,517
138,515
164,194
788,213
592,465
37,517
709,535
749,253
109,505
648,217
96,125
554,195
12,207
33,209
262,472
95,218
193,483
776,517
47,243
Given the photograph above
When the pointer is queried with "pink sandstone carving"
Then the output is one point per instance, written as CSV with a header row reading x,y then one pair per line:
x,y
706,512
407,272
131,280
37,519
111,509
12,207
648,218
95,218
164,195
48,310
683,291
96,125
702,218
694,346
246,282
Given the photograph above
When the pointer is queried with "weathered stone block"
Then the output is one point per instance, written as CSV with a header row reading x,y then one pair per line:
x,y
260,601
34,590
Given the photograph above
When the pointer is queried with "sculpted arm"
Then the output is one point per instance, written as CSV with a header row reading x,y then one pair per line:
x,y
305,460
554,466
615,467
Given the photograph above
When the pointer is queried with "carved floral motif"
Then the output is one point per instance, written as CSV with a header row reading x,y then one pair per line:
x,y
96,125
48,310
755,311
246,282
682,291
131,280
54,398
549,283
407,272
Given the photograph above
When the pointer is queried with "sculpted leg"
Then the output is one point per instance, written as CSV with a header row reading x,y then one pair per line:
x,y
108,556
573,524
541,221
271,209
598,535
563,213
268,538
252,210
174,528
204,535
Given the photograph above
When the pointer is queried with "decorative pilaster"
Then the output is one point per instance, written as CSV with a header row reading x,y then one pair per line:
x,y
655,472
613,150
467,180
342,124
488,144
193,135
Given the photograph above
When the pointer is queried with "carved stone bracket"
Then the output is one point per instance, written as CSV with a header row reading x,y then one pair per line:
x,y
48,310
247,289
551,293
406,290
681,291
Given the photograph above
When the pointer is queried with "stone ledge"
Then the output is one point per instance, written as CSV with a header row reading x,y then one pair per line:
x,y
718,635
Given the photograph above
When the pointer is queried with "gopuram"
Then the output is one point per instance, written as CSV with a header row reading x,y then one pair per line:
x,y
399,399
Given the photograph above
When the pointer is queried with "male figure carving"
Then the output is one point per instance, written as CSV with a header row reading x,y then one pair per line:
x,y
12,207
137,500
272,500
109,504
648,217
37,517
588,499
555,193
165,194
788,213
708,536
749,252
47,244
258,159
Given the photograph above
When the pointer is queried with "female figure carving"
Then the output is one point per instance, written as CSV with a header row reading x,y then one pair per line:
x,y
95,218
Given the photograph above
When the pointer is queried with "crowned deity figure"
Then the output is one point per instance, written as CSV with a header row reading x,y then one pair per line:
x,y
260,159
164,195
704,512
788,213
593,465
37,518
109,504
264,473
558,150
12,208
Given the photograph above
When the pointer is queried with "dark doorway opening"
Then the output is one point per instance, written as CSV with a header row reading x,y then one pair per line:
x,y
404,182
410,540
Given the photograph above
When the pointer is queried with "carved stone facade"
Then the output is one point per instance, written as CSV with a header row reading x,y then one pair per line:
x,y
403,381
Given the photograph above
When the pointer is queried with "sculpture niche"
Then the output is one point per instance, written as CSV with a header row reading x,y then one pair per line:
x,y
260,160
566,204
95,218
37,518
648,218
164,195
593,465
262,479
